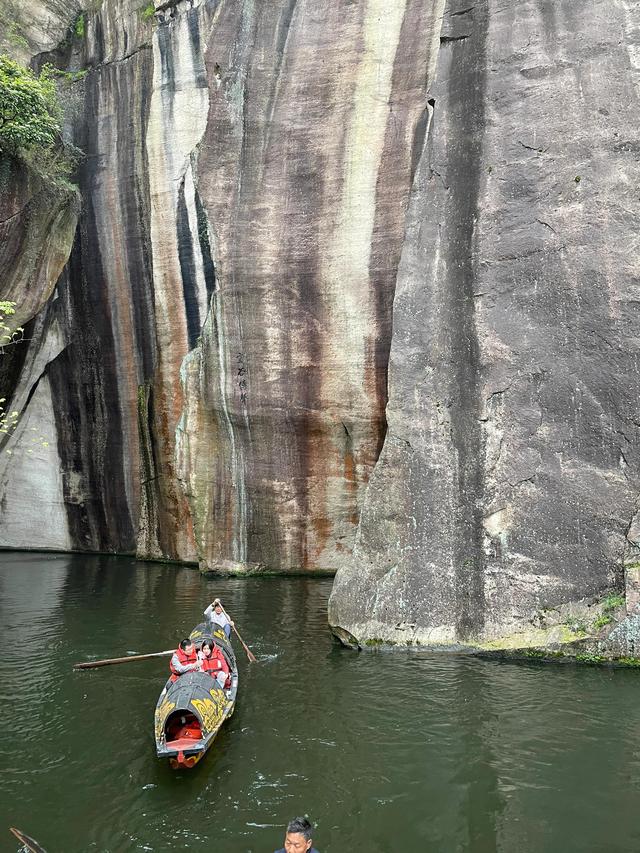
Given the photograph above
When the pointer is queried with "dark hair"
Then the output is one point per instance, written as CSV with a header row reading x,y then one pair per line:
x,y
208,644
302,826
186,642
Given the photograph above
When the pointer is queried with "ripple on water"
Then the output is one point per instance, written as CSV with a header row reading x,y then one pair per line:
x,y
409,751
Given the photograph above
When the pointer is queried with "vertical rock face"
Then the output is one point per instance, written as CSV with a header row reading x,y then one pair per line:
x,y
508,480
245,183
37,225
207,377
121,310
304,173
30,27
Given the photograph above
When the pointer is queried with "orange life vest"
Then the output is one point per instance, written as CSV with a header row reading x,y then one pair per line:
x,y
216,663
184,659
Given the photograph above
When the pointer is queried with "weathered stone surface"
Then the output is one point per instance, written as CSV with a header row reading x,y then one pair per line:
x,y
246,179
30,27
265,154
304,171
37,225
632,586
135,294
509,474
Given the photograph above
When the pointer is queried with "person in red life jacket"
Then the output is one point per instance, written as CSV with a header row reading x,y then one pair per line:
x,y
185,659
212,660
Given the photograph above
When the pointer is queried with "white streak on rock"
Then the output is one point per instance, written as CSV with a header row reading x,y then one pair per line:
x,y
31,477
348,265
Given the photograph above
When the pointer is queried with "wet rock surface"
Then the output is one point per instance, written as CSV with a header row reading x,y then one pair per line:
x,y
245,182
363,273
37,225
304,171
508,478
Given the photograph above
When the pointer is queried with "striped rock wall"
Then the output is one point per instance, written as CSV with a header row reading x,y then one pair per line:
x,y
244,189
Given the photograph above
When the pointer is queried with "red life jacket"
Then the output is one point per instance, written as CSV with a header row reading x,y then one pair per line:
x,y
184,659
215,663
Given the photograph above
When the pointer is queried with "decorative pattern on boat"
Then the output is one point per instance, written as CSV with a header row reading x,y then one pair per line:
x,y
212,710
161,716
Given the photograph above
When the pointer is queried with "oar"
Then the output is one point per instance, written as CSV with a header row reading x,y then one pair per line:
x,y
27,842
108,661
250,654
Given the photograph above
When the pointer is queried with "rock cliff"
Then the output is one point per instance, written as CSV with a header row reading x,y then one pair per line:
x,y
508,481
245,183
29,28
37,225
305,170
344,273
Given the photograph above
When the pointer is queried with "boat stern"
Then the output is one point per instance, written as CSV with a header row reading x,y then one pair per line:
x,y
188,716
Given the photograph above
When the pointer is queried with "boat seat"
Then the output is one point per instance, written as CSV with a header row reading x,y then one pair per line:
x,y
181,743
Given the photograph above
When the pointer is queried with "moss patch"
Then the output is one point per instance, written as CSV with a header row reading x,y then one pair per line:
x,y
536,638
147,12
628,662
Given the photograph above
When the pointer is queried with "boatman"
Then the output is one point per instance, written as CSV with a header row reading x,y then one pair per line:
x,y
298,837
216,615
184,659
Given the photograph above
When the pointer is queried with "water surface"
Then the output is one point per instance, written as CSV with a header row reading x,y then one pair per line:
x,y
387,753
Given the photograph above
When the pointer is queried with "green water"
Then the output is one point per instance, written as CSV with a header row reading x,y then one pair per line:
x,y
387,753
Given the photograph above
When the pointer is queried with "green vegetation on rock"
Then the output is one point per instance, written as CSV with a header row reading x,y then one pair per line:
x,y
78,27
576,625
609,605
8,336
29,111
591,657
30,123
148,11
15,37
68,76
612,602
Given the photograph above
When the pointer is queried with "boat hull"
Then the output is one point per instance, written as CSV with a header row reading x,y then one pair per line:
x,y
191,710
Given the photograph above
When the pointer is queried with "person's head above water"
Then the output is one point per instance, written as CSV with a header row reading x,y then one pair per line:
x,y
298,837
186,645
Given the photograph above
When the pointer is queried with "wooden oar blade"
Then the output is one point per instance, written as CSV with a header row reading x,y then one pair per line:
x,y
28,842
92,664
250,654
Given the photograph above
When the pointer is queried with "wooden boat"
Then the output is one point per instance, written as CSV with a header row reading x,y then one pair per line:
x,y
27,842
191,709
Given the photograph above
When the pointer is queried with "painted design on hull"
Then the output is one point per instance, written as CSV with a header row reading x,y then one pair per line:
x,y
186,761
211,711
161,717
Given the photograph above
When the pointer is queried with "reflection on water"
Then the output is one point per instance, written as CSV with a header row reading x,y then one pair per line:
x,y
387,753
